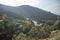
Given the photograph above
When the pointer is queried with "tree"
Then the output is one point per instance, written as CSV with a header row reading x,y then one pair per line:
x,y
39,32
57,25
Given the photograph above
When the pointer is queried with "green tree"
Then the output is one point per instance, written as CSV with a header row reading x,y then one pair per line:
x,y
57,25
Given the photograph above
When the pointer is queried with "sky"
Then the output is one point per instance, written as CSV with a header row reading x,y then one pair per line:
x,y
48,5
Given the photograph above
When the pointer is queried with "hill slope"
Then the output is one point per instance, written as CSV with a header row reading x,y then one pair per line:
x,y
27,11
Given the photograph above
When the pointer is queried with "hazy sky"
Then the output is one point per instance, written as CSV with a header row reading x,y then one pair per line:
x,y
49,5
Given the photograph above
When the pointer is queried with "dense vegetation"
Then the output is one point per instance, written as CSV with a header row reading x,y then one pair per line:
x,y
17,29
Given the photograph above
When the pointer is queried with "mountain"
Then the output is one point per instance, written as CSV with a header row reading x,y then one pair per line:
x,y
26,11
8,10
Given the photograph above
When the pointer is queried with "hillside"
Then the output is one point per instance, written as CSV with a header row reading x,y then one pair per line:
x,y
26,11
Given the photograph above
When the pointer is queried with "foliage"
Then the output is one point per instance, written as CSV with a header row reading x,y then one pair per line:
x,y
17,29
58,38
57,25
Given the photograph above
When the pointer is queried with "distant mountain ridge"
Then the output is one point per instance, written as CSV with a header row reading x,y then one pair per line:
x,y
26,11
